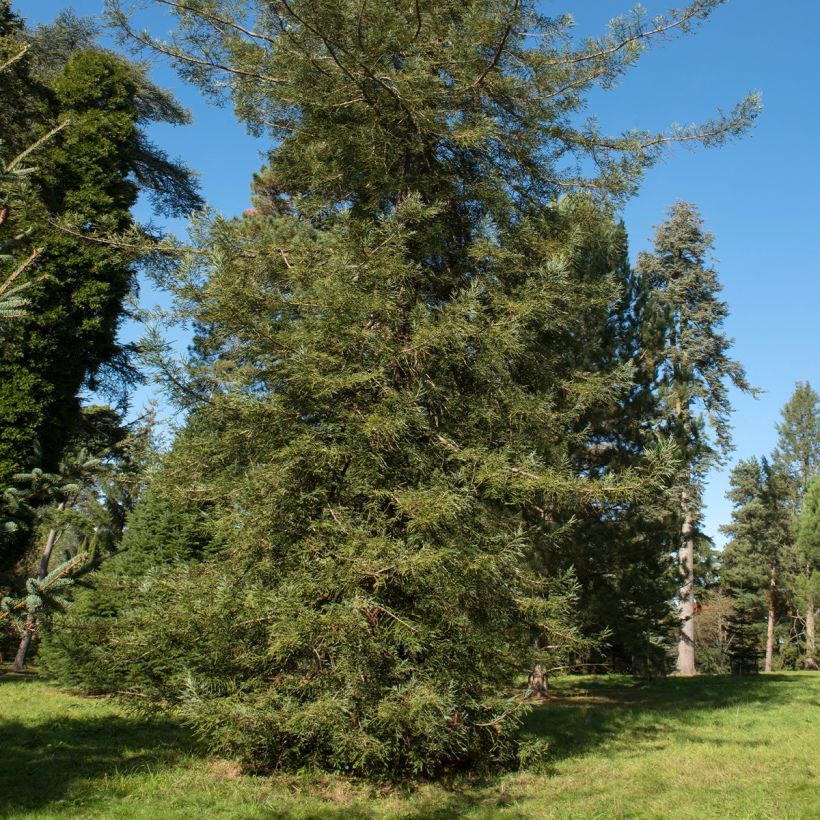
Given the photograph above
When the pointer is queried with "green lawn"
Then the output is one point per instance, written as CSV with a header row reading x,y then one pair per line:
x,y
699,748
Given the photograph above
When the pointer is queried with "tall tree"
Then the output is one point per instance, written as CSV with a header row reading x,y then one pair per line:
x,y
387,393
807,575
693,371
82,184
797,452
760,536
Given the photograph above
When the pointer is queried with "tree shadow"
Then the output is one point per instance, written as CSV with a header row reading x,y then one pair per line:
x,y
43,761
575,722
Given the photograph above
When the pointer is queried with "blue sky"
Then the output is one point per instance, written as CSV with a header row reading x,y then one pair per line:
x,y
758,195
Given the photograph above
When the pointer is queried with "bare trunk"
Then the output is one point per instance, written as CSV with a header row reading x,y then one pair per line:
x,y
538,682
770,628
28,632
22,650
811,639
686,558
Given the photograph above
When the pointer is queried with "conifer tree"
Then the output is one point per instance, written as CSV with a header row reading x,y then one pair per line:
x,y
82,183
797,455
387,392
797,452
760,535
693,371
806,583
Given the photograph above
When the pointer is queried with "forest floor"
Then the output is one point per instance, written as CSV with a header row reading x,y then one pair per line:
x,y
681,748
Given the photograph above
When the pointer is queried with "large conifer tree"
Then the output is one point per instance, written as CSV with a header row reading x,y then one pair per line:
x,y
693,371
388,392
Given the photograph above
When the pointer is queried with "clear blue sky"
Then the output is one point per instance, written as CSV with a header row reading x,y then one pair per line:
x,y
758,195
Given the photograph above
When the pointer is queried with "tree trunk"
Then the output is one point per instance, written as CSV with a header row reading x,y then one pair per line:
x,y
28,632
686,557
770,628
538,682
811,639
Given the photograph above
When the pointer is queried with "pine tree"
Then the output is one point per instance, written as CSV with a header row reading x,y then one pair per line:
x,y
760,535
797,455
807,578
797,452
693,370
387,390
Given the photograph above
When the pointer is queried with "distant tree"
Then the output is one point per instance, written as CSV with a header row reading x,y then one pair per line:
x,y
759,537
797,452
689,353
807,577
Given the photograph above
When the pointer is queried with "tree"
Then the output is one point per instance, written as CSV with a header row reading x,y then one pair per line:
x,y
163,531
80,191
79,512
760,534
807,581
693,369
797,452
386,394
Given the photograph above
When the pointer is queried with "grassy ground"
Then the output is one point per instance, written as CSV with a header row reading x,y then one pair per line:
x,y
698,748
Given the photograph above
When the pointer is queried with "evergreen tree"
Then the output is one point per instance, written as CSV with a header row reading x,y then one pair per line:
x,y
807,578
390,389
760,534
797,455
693,370
163,530
797,452
84,181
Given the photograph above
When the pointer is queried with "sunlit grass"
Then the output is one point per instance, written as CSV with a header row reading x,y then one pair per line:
x,y
699,748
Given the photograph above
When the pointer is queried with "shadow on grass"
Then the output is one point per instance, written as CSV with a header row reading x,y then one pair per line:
x,y
42,761
576,721
43,764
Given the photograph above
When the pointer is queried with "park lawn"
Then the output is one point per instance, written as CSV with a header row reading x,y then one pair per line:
x,y
680,748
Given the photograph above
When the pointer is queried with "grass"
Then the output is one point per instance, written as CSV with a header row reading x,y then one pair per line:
x,y
681,748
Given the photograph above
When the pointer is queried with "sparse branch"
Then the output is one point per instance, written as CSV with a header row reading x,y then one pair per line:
x,y
662,28
14,58
177,54
6,286
222,21
498,52
32,148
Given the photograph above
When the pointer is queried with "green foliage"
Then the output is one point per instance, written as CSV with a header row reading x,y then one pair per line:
x,y
760,534
77,114
161,532
806,568
798,442
403,372
689,350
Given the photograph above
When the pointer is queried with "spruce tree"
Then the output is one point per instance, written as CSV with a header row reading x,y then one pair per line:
x,y
692,374
387,390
